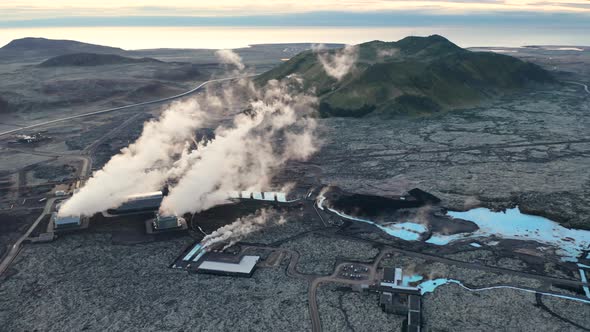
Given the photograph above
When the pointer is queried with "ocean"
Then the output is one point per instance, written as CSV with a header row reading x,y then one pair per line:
x,y
132,38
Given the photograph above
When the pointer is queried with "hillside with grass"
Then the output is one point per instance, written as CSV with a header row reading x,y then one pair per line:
x,y
415,75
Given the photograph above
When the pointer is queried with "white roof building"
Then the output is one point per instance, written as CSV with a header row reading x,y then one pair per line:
x,y
269,196
244,268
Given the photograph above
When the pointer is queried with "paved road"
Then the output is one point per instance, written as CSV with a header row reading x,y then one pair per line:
x,y
89,150
15,249
157,101
476,266
316,324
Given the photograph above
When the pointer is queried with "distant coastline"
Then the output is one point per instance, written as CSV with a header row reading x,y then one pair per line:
x,y
134,38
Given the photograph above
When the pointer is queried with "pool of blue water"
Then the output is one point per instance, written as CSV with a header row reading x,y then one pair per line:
x,y
513,224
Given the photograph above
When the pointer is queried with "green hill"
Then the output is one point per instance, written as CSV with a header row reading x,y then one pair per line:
x,y
415,75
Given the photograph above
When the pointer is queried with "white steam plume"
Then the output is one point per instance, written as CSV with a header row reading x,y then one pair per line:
x,y
231,58
140,167
337,63
240,228
242,156
386,53
246,154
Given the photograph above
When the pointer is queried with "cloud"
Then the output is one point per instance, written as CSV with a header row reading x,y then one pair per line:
x,y
270,7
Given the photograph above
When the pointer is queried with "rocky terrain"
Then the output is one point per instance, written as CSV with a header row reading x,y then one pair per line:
x,y
529,149
131,288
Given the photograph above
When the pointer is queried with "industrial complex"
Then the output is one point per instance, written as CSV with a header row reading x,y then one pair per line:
x,y
398,294
139,203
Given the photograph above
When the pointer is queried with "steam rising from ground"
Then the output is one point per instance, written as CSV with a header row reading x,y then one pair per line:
x,y
140,167
243,155
231,58
239,229
338,63
386,53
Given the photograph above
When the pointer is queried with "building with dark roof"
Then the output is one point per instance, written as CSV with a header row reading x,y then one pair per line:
x,y
398,298
197,259
141,203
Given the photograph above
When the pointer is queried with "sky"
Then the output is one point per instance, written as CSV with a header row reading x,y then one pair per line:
x,y
37,13
136,24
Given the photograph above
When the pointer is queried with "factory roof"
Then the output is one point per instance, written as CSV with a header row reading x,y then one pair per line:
x,y
62,221
388,274
281,197
257,195
269,196
245,266
145,195
193,251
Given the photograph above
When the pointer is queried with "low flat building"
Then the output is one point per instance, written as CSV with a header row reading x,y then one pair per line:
x,y
399,298
166,222
269,196
234,194
140,203
65,222
161,224
281,197
228,265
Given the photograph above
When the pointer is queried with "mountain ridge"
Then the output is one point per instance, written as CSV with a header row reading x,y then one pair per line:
x,y
44,47
415,75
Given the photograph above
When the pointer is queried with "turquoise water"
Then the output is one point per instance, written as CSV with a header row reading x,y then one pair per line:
x,y
510,224
407,280
429,286
513,224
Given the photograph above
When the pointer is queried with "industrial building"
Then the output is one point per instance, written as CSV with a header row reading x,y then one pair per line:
x,y
140,203
228,265
399,298
269,196
65,222
166,222
197,259
161,224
